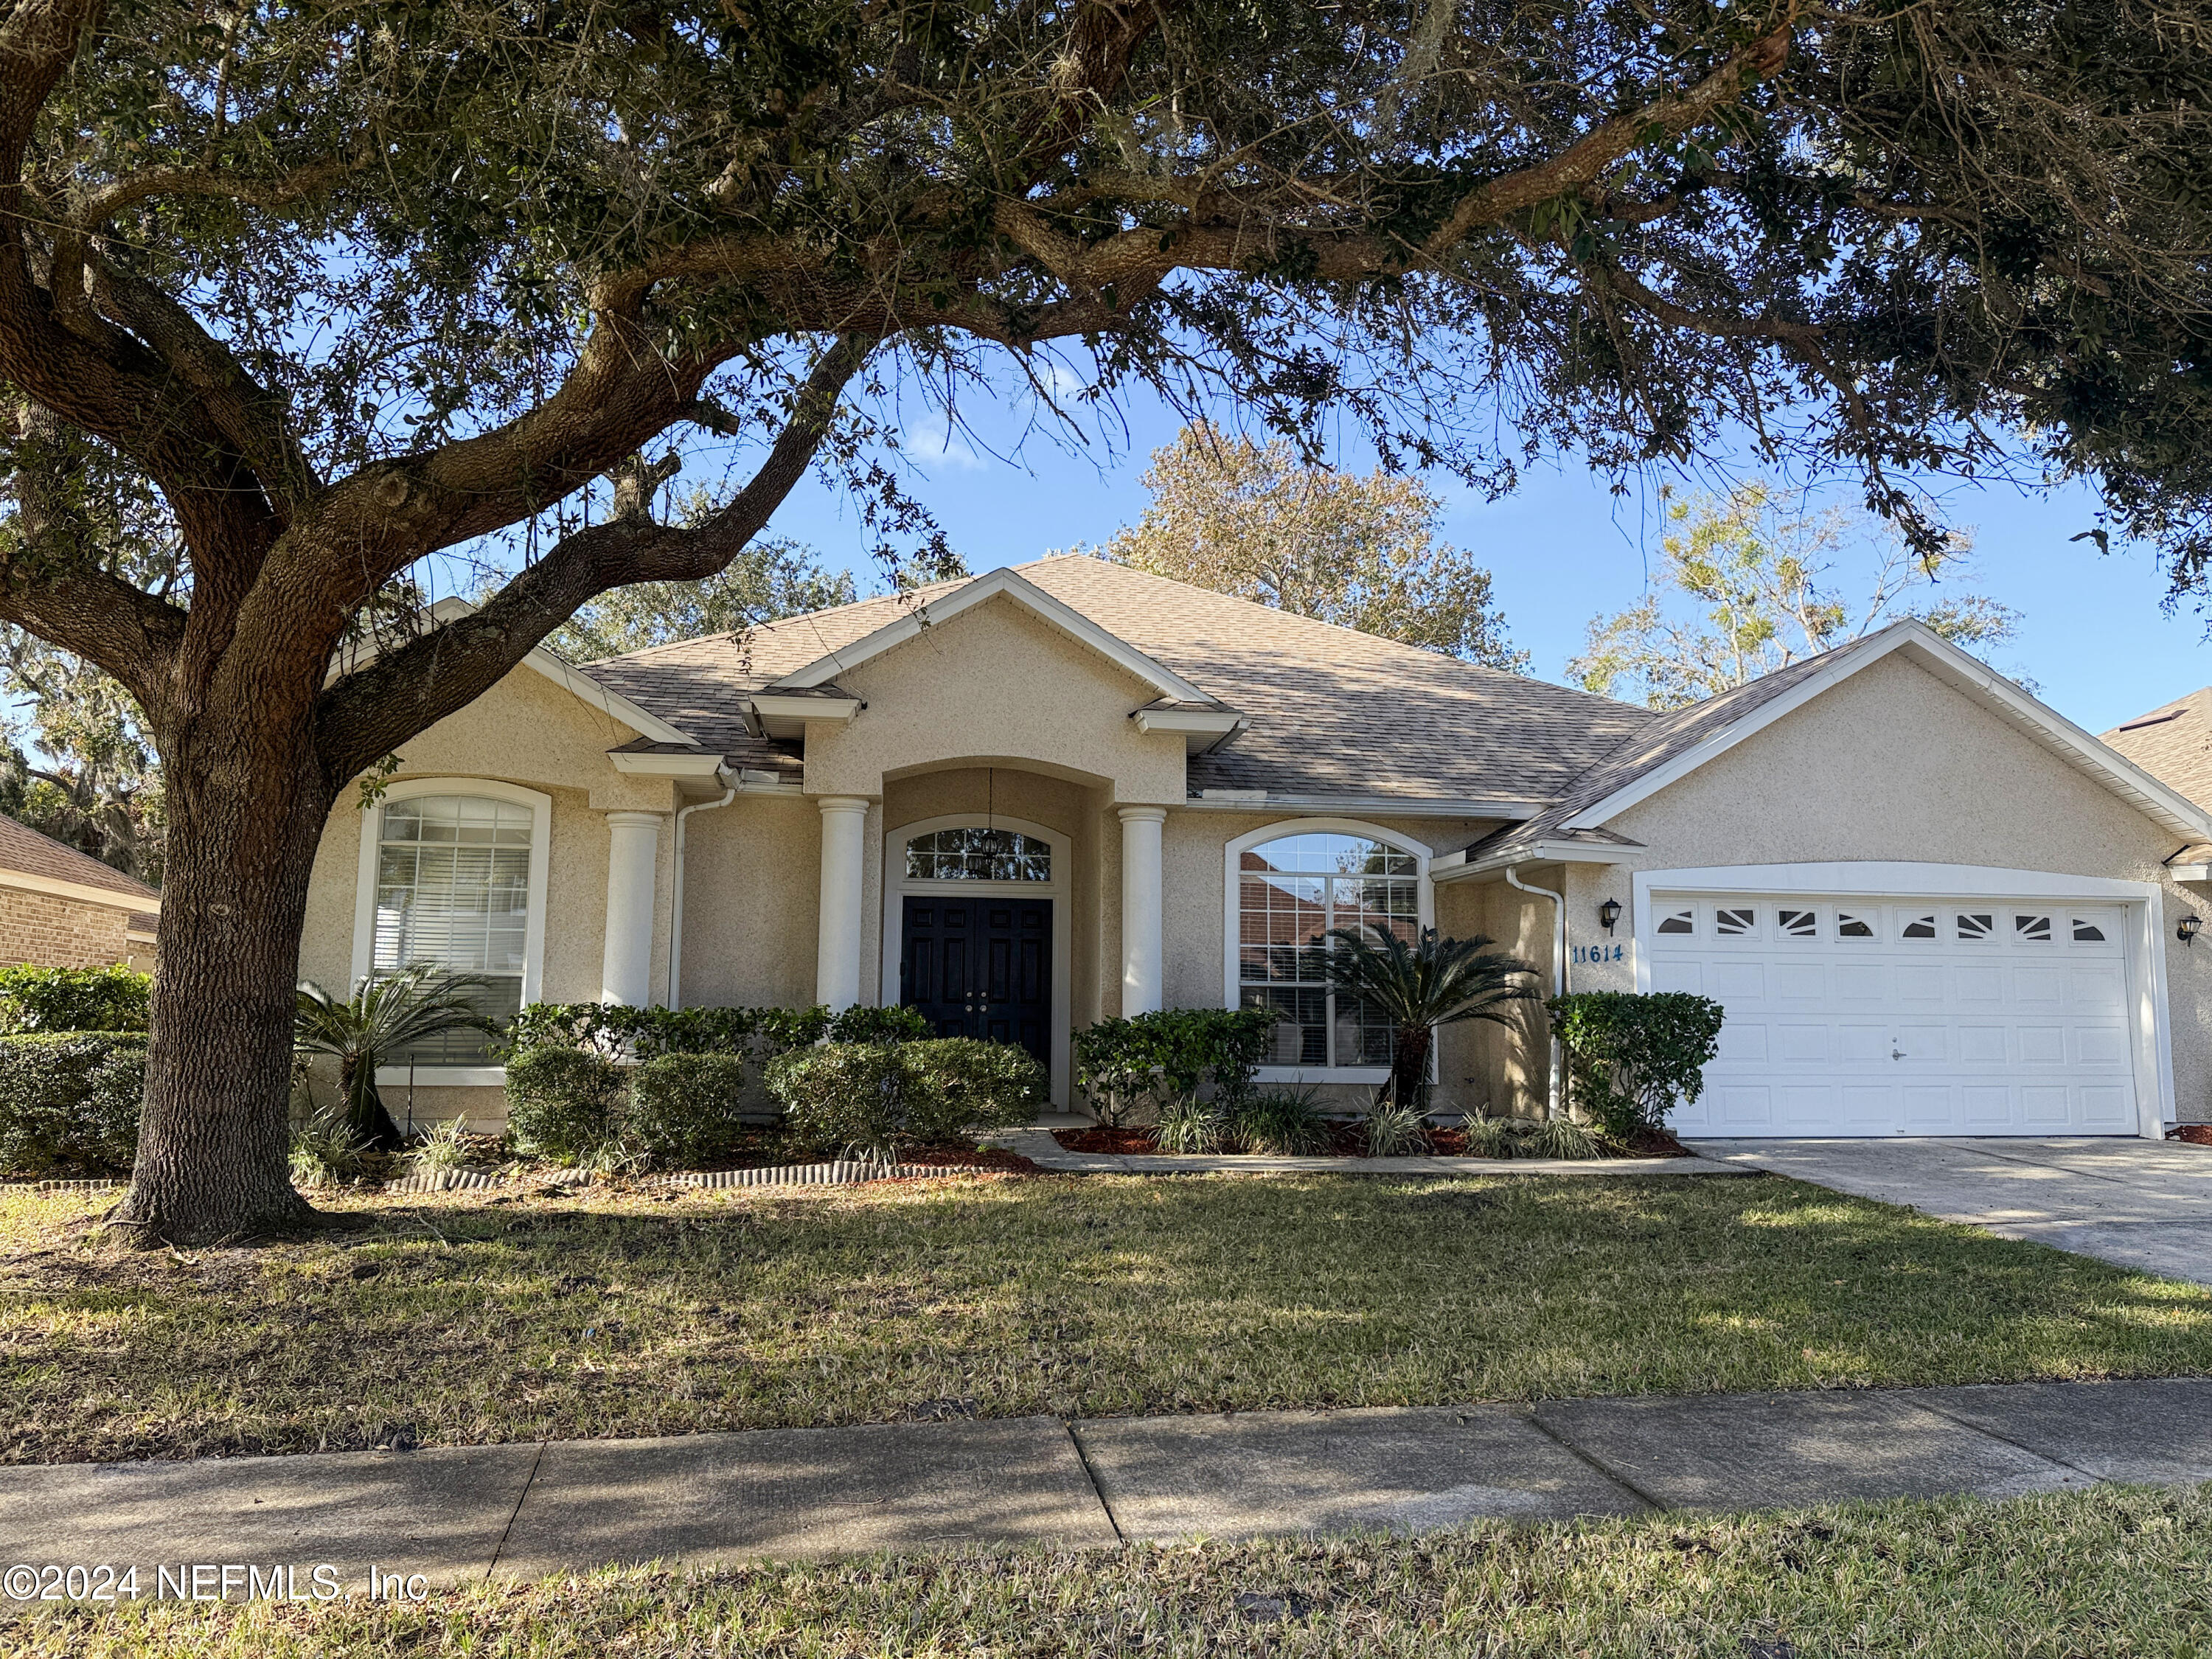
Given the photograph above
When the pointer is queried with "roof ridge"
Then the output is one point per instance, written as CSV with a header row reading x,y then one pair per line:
x,y
1390,645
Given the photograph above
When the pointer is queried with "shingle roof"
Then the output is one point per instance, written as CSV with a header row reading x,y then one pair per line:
x,y
25,850
1332,711
1667,737
2173,743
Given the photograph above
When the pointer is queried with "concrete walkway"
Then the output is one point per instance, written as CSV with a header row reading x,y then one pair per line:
x,y
1040,1148
457,1514
2143,1204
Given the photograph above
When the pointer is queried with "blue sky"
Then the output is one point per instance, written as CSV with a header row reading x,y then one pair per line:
x,y
1562,548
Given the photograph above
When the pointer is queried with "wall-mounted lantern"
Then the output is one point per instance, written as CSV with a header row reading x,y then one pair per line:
x,y
1609,911
2187,933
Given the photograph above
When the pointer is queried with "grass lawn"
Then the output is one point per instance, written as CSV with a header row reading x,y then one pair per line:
x,y
456,1318
2107,1572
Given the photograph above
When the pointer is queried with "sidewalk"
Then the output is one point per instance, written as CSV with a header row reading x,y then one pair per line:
x,y
1040,1148
528,1510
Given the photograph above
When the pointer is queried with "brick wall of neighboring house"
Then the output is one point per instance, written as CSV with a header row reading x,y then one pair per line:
x,y
50,931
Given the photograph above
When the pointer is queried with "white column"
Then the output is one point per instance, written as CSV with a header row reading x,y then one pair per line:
x,y
633,858
1141,975
837,956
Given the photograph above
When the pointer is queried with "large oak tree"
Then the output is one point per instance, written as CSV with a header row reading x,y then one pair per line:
x,y
351,286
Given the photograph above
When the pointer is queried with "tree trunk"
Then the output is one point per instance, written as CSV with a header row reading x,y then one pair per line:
x,y
247,810
1409,1064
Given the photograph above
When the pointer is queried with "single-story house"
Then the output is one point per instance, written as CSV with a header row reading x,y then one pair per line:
x,y
1050,794
62,908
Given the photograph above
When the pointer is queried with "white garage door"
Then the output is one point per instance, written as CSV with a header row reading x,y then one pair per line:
x,y
1877,1017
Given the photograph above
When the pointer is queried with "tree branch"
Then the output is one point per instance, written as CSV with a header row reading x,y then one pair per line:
x,y
366,712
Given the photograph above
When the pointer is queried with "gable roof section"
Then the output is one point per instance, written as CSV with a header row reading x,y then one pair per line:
x,y
1331,711
2172,744
45,865
1684,740
578,684
1168,687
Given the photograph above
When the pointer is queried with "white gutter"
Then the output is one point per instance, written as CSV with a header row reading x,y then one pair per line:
x,y
676,900
1553,1080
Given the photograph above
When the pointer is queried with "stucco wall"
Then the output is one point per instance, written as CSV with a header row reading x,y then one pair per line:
x,y
524,731
1895,764
994,683
752,879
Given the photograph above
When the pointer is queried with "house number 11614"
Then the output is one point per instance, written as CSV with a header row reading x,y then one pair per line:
x,y
1599,953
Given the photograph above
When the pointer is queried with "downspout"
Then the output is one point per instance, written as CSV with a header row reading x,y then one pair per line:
x,y
676,900
1553,1078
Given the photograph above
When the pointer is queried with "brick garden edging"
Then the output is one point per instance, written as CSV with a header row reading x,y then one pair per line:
x,y
841,1172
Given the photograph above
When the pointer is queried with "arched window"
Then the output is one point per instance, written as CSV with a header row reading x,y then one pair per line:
x,y
1291,892
972,853
453,889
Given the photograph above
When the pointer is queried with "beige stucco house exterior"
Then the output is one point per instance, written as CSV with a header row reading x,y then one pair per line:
x,y
1045,795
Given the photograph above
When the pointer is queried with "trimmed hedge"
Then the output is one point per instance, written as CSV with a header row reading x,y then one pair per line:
x,y
1632,1058
565,1104
73,1000
872,1097
70,1102
684,1108
759,1033
1164,1059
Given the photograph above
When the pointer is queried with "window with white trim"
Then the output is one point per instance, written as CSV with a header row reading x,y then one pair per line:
x,y
452,891
1292,891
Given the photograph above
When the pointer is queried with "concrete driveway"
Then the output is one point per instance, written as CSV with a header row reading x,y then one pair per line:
x,y
2138,1203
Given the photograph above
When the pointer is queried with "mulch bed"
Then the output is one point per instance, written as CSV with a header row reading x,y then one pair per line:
x,y
1346,1140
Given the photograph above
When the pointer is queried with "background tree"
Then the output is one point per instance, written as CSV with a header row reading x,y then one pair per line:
x,y
1357,550
351,290
1746,585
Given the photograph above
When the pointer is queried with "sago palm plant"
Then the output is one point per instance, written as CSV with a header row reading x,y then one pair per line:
x,y
384,1016
1420,986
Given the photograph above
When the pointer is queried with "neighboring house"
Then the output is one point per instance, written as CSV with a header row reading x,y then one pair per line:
x,y
1042,796
60,909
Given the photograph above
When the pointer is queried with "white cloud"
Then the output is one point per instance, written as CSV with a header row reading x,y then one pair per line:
x,y
931,440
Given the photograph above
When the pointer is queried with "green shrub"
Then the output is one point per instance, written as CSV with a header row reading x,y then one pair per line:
x,y
860,1023
1280,1122
73,1000
443,1146
845,1097
1161,1059
1490,1137
70,1102
753,1033
1393,1130
1562,1137
327,1150
683,1108
565,1104
968,1083
1192,1125
1632,1059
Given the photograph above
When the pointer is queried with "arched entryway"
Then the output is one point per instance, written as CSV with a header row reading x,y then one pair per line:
x,y
977,930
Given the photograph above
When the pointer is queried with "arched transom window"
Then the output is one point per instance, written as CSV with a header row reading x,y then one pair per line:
x,y
1291,892
972,853
453,889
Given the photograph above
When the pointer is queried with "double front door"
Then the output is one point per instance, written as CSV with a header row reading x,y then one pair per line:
x,y
981,966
